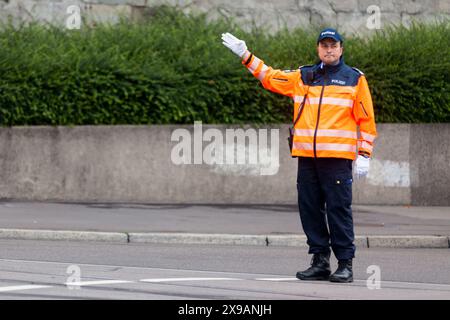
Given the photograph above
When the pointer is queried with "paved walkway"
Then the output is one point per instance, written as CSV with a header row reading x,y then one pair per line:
x,y
251,220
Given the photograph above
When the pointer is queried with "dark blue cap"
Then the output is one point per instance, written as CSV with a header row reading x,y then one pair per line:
x,y
329,33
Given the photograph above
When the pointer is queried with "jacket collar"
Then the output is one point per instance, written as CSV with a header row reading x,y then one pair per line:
x,y
323,68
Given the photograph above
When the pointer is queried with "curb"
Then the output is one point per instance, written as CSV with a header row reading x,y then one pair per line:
x,y
409,242
300,241
290,240
199,238
22,234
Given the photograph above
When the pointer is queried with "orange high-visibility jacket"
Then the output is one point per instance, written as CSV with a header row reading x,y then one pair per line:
x,y
337,101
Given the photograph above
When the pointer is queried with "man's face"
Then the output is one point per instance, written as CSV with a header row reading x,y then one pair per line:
x,y
329,51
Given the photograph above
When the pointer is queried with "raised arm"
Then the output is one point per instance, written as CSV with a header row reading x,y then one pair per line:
x,y
282,82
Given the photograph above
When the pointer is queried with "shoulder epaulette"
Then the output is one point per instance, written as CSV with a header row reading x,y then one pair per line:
x,y
359,71
306,65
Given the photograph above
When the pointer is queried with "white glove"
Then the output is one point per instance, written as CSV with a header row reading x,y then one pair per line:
x,y
362,166
234,44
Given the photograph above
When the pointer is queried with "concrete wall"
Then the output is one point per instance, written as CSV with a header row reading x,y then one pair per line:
x,y
411,165
350,16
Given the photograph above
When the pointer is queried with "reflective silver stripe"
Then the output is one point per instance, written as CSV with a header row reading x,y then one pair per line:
x,y
365,145
325,146
298,99
368,137
254,65
263,72
304,132
326,133
314,100
334,101
302,145
336,147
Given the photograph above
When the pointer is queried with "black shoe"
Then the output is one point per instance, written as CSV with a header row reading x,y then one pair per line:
x,y
344,272
319,270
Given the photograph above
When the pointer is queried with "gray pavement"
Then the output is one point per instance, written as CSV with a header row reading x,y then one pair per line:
x,y
82,270
375,226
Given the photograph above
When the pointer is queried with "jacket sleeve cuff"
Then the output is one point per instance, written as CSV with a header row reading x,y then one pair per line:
x,y
246,58
365,148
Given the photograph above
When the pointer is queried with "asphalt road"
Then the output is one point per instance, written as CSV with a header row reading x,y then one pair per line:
x,y
89,270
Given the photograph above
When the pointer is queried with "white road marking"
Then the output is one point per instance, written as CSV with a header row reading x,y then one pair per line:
x,y
186,279
276,279
24,287
99,282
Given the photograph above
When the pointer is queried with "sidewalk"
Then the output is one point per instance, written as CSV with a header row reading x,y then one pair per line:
x,y
375,226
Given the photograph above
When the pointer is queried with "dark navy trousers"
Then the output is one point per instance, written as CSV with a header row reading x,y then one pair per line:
x,y
324,198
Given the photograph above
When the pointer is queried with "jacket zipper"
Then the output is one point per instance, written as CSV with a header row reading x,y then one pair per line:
x,y
318,115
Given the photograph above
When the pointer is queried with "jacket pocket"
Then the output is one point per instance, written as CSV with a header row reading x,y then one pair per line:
x,y
341,190
343,180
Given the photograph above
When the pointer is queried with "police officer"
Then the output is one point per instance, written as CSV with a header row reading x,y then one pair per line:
x,y
331,101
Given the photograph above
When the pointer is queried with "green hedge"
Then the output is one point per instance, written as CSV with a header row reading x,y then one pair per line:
x,y
174,69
